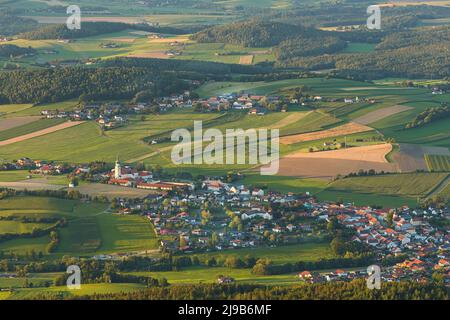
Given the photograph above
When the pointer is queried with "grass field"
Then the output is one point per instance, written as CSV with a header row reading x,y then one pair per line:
x,y
90,230
279,255
437,163
136,44
446,193
86,289
359,47
210,275
13,108
285,184
29,128
91,144
391,190
19,110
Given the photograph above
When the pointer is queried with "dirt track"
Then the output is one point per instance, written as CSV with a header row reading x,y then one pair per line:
x,y
346,129
39,133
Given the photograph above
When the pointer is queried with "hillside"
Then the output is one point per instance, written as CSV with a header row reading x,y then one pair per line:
x,y
250,33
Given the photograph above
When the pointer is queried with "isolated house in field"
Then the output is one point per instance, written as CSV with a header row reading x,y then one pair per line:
x,y
225,280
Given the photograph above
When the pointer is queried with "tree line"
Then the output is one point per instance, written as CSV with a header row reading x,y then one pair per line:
x,y
354,290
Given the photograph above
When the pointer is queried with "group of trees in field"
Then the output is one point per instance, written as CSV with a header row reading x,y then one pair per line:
x,y
10,50
428,116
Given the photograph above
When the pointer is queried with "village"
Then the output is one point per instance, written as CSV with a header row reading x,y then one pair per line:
x,y
219,213
111,115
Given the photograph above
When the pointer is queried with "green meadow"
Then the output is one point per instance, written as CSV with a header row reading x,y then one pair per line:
x,y
86,289
390,190
91,228
278,255
29,128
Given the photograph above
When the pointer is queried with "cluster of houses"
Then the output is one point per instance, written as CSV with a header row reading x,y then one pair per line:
x,y
254,104
252,221
251,217
437,91
108,116
38,167
410,233
347,100
113,114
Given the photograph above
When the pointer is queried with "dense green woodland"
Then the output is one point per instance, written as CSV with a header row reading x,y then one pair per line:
x,y
255,33
120,78
52,85
213,69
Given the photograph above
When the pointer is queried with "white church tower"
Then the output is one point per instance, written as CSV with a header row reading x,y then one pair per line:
x,y
117,169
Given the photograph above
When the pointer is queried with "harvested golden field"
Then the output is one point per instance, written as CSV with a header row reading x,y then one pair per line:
x,y
246,59
10,123
380,114
346,129
39,133
329,164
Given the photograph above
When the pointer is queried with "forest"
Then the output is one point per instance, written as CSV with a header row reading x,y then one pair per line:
x,y
53,85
